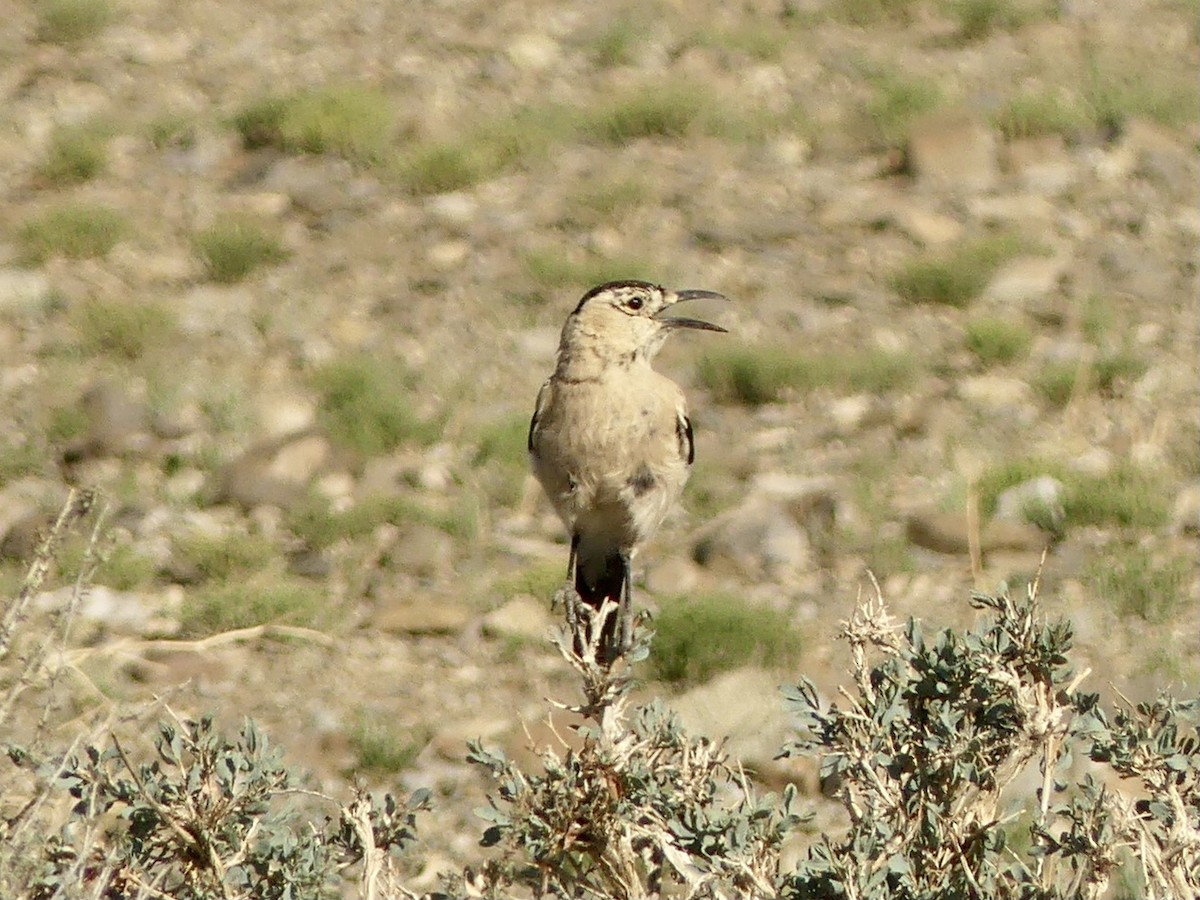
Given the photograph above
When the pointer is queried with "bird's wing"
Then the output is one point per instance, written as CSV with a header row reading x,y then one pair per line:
x,y
537,414
687,441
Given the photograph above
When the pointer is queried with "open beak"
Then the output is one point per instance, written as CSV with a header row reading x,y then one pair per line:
x,y
680,322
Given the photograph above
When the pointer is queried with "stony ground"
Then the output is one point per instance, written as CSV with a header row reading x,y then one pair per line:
x,y
961,239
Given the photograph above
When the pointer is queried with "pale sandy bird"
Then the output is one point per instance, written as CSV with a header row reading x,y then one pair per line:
x,y
610,440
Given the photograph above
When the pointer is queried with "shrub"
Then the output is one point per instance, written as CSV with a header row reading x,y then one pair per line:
x,y
1036,113
232,250
76,231
897,100
1138,584
697,638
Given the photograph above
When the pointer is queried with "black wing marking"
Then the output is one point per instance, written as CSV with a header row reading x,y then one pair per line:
x,y
687,440
537,414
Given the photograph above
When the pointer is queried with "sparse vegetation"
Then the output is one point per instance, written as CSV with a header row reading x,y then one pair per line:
x,y
366,405
977,19
1138,584
757,375
77,153
1125,497
221,556
353,121
1055,381
872,12
896,101
958,278
232,250
616,44
126,329
998,341
699,637
1035,113
77,231
70,21
265,599
383,749
559,268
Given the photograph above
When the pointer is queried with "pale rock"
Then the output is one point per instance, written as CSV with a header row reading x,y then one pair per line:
x,y
1185,514
1094,461
300,459
953,151
1011,209
671,575
533,51
149,48
997,392
455,208
743,706
448,255
422,551
928,228
760,538
280,414
260,204
99,603
1025,278
1042,164
1032,500
849,413
405,615
338,487
23,290
521,617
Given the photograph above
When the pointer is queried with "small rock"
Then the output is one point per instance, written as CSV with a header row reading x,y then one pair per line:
x,y
521,617
533,52
300,460
22,290
928,228
996,392
447,255
23,533
744,706
1010,209
1185,515
954,151
1025,278
1033,501
759,538
1042,164
403,615
671,575
116,423
938,531
849,413
422,551
248,482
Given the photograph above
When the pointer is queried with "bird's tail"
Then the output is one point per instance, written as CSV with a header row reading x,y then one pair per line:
x,y
600,581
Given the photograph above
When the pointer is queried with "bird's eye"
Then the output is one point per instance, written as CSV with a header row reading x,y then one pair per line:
x,y
635,302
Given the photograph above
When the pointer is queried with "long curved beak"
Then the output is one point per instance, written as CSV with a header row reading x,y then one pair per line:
x,y
681,322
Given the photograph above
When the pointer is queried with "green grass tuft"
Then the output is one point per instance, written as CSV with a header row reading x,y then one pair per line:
x,y
1125,497
125,329
998,341
352,121
76,231
77,153
234,249
70,21
696,639
1137,584
221,557
957,279
365,405
383,749
261,600
1038,113
897,100
977,19
753,376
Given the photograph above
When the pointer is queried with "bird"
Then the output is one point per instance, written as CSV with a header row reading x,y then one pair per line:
x,y
611,442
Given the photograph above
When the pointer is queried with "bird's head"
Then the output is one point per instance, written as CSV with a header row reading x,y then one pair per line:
x,y
623,322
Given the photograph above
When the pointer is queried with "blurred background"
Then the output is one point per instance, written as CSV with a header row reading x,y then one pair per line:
x,y
282,280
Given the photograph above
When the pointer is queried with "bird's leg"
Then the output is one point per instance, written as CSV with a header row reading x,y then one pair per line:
x,y
570,593
625,609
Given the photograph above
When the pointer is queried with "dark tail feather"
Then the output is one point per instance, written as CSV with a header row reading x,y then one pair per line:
x,y
608,584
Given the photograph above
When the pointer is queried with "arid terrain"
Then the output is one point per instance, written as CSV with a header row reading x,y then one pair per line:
x,y
281,280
